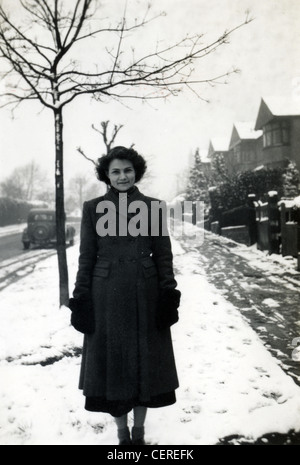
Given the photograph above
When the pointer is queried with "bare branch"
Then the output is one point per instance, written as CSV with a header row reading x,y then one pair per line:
x,y
72,23
64,48
55,19
79,149
103,133
137,25
20,35
157,71
33,10
118,50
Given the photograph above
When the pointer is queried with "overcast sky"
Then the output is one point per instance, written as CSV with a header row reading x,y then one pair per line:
x,y
266,51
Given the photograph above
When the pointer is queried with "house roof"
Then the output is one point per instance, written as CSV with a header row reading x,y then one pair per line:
x,y
243,131
204,156
246,130
272,107
280,106
219,144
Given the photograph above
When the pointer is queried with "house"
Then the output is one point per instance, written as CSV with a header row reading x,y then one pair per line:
x,y
218,146
279,119
245,147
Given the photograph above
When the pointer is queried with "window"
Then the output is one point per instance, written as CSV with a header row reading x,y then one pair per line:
x,y
237,153
276,133
248,156
42,217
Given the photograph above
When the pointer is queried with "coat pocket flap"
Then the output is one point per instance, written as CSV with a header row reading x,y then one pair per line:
x,y
149,268
102,269
148,263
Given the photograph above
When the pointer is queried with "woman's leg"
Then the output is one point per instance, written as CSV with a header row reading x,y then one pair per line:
x,y
138,430
123,430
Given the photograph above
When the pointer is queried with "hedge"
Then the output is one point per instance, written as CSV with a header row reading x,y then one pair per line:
x,y
14,211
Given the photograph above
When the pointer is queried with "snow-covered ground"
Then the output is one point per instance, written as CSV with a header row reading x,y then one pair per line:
x,y
259,259
12,229
229,383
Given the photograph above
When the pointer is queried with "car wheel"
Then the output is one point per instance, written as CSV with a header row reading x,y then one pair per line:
x,y
41,233
26,245
71,242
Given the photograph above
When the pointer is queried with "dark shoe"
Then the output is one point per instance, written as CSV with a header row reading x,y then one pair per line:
x,y
124,437
137,434
125,442
139,442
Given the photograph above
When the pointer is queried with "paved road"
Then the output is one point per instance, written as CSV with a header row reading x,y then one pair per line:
x,y
10,246
15,262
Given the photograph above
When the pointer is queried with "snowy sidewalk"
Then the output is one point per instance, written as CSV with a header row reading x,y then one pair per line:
x,y
266,291
229,383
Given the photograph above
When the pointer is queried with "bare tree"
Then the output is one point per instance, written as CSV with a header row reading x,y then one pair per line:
x,y
107,139
80,188
104,132
41,63
27,182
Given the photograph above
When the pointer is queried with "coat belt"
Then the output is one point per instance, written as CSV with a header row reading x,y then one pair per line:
x,y
123,259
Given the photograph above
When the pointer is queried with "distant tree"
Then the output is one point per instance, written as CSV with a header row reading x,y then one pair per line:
x,y
197,188
220,173
81,188
13,211
182,180
28,182
291,180
11,188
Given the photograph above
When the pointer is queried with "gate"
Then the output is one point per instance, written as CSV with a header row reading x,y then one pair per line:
x,y
290,230
268,225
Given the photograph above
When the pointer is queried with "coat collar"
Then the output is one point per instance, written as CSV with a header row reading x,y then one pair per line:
x,y
116,197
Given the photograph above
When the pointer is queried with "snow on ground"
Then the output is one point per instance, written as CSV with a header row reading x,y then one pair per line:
x,y
260,259
12,229
229,382
21,264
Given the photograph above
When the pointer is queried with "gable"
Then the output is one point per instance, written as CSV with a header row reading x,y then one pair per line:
x,y
264,116
235,138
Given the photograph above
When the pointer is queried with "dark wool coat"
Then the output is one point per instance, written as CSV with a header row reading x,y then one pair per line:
x,y
127,357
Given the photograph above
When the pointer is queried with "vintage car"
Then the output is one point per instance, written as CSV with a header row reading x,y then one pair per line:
x,y
41,229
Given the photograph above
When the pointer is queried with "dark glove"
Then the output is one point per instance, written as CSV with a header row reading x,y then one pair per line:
x,y
82,317
167,309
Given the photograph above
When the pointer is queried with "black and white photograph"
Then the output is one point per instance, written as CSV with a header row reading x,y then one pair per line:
x,y
149,224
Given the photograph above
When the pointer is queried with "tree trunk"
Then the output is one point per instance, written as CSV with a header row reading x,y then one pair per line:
x,y
60,210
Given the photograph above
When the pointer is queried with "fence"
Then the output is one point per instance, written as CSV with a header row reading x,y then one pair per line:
x,y
274,225
239,224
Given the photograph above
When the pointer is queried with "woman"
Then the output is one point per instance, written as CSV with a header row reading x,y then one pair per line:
x,y
125,300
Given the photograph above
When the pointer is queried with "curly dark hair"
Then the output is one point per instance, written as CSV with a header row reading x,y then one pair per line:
x,y
121,153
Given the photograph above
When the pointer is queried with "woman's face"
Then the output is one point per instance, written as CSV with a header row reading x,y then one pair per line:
x,y
121,174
